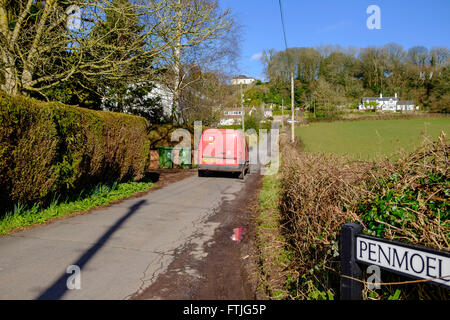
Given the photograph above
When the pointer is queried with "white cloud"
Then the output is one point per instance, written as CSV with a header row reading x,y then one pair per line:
x,y
256,56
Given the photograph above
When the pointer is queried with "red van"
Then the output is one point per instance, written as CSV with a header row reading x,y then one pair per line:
x,y
223,150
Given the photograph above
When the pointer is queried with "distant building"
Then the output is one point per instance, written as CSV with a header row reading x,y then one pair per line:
x,y
268,113
386,104
166,96
404,105
232,116
241,79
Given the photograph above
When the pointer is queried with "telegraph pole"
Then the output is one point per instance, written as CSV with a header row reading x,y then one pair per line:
x,y
292,107
314,108
292,74
242,110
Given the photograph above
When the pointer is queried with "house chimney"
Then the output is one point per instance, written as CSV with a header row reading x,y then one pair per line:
x,y
381,95
396,94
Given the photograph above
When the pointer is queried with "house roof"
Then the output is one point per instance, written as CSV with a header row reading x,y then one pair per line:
x,y
405,102
231,116
379,98
243,77
233,109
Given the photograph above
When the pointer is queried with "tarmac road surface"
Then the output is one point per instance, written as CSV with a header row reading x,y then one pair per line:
x,y
119,250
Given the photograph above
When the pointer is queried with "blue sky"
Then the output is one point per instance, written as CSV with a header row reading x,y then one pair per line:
x,y
336,22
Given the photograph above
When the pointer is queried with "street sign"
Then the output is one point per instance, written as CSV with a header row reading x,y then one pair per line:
x,y
408,260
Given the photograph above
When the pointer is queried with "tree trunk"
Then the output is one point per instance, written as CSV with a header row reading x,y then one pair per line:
x,y
10,85
177,68
27,77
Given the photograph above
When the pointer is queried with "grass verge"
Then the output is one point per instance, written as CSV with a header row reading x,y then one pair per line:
x,y
101,195
274,258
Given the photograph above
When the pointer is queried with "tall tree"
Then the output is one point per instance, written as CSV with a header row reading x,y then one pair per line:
x,y
38,51
373,68
199,33
347,74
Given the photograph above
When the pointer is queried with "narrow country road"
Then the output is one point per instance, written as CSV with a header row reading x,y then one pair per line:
x,y
120,250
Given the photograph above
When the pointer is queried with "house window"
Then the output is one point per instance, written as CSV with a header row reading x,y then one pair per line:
x,y
233,113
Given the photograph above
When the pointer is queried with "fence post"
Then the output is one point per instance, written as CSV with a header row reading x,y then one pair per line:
x,y
350,289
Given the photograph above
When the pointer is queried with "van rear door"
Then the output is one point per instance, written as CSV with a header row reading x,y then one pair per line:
x,y
219,147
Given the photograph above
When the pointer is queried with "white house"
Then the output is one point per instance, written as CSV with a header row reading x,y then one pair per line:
x,y
158,91
386,104
405,105
268,113
232,116
166,96
241,79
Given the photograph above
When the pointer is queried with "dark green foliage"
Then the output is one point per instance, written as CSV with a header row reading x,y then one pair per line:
x,y
252,122
339,76
73,93
98,195
51,148
397,207
135,99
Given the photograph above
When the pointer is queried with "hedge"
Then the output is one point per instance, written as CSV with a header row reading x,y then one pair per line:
x,y
405,200
48,149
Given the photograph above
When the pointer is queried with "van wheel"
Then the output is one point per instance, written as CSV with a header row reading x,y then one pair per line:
x,y
201,173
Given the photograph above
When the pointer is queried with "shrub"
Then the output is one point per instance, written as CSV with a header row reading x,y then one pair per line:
x,y
316,197
409,203
406,200
51,148
161,135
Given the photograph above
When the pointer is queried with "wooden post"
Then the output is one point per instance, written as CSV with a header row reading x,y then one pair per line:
x,y
242,110
292,108
314,108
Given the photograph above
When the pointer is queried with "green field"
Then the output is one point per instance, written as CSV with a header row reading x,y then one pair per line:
x,y
370,139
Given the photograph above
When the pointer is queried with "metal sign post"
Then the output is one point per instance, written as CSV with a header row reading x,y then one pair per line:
x,y
350,289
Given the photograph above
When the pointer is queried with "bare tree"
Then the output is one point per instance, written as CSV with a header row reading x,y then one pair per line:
x,y
199,35
39,50
440,57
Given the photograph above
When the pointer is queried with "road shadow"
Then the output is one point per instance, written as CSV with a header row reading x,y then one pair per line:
x,y
59,287
220,174
151,176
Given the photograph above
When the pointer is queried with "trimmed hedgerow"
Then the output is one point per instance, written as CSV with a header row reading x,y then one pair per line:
x,y
51,148
406,200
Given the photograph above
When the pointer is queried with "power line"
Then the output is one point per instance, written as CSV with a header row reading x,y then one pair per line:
x,y
292,75
282,23
284,33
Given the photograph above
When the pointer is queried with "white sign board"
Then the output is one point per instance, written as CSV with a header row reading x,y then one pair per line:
x,y
408,260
